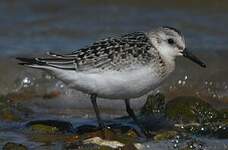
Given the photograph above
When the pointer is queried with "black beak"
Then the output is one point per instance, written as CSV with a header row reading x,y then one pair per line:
x,y
193,58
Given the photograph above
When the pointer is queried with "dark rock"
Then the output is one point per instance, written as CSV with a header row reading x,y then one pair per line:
x,y
154,104
222,132
86,129
198,129
156,123
77,145
14,146
194,144
122,129
129,147
116,128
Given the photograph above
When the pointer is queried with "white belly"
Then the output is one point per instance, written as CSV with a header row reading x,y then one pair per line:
x,y
113,84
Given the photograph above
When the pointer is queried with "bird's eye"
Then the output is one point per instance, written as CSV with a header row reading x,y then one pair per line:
x,y
171,41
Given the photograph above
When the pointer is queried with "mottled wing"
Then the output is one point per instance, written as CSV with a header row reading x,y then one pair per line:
x,y
108,54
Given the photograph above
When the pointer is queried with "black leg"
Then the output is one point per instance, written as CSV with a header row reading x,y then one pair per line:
x,y
95,107
133,116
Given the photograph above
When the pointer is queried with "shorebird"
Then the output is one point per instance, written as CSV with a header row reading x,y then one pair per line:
x,y
123,67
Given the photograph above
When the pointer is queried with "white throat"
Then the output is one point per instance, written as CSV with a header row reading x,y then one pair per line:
x,y
167,58
165,53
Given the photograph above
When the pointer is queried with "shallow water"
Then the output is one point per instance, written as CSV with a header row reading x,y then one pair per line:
x,y
31,27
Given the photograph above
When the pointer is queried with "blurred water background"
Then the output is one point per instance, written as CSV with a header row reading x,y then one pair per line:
x,y
32,27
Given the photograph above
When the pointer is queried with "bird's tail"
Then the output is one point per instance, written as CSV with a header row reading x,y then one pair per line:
x,y
30,61
33,63
53,61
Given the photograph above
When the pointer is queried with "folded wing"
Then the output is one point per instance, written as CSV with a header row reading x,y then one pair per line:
x,y
111,53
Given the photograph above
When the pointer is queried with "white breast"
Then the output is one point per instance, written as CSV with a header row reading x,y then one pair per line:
x,y
113,84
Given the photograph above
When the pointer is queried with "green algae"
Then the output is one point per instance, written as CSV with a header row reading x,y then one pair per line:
x,y
44,128
187,109
14,146
165,135
50,126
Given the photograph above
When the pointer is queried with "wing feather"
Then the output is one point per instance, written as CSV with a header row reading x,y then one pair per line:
x,y
110,53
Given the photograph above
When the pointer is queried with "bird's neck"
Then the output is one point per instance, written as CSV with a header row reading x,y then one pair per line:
x,y
164,53
169,61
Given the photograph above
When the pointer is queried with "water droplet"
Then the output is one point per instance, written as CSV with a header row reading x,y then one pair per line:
x,y
47,76
175,145
61,86
185,77
26,82
177,141
179,82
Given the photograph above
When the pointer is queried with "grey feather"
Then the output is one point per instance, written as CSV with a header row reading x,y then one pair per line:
x,y
108,54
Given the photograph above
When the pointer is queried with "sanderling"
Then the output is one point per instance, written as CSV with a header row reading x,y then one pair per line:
x,y
123,67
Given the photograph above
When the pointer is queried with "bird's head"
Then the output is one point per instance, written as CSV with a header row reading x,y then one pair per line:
x,y
170,43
